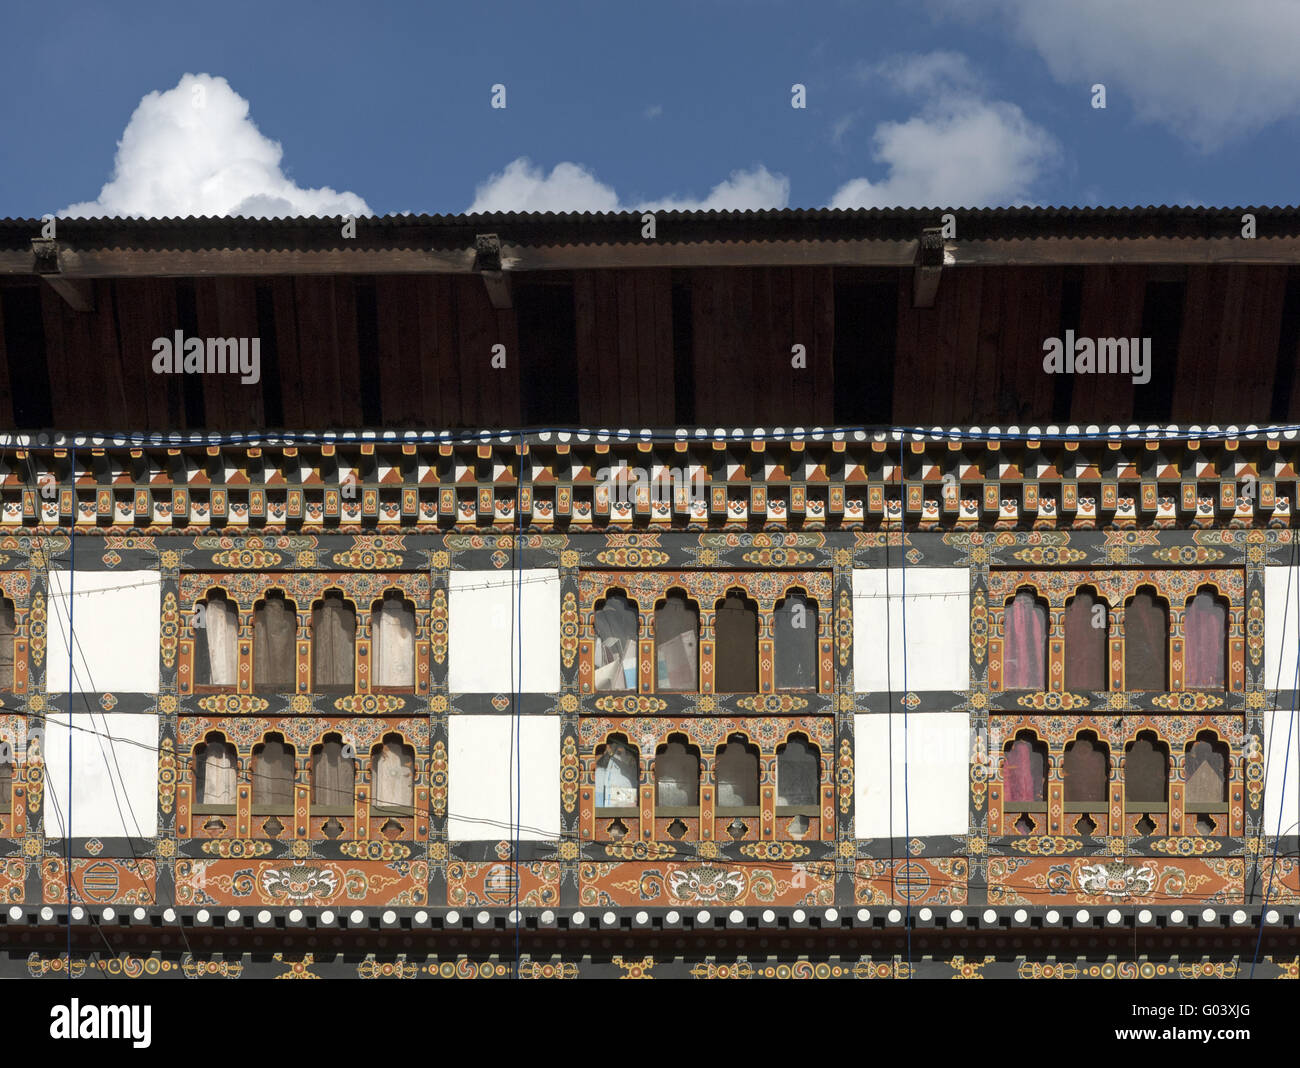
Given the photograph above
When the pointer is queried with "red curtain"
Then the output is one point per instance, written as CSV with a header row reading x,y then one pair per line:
x,y
1024,653
1205,630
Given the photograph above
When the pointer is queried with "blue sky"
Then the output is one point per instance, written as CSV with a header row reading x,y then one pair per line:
x,y
386,107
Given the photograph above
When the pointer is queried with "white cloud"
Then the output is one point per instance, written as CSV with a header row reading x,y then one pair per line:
x,y
654,111
960,150
1212,72
523,186
193,150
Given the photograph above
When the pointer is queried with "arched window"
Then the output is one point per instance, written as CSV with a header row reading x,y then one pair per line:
x,y
275,629
215,771
6,644
392,656
333,644
736,772
615,652
1205,630
392,774
1024,770
273,774
796,643
677,776
1087,656
798,774
333,775
216,652
1206,771
1146,643
1024,650
618,775
677,630
1087,769
736,663
1146,771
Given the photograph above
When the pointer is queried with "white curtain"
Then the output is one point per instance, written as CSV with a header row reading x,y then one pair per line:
x,y
394,644
394,776
221,625
218,774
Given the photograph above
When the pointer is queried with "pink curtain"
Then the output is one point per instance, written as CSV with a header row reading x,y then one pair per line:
x,y
1022,773
1024,651
1205,630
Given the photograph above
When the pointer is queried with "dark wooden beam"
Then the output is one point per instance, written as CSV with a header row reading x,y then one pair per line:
x,y
79,294
929,268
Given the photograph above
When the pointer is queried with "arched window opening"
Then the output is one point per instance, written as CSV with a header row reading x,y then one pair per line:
x,y
215,771
1146,642
618,775
1206,771
677,776
216,650
1087,770
6,644
795,634
736,661
392,624
392,774
273,775
1087,654
1146,771
333,775
1024,770
615,651
677,630
798,774
333,644
275,630
1024,649
736,773
1205,647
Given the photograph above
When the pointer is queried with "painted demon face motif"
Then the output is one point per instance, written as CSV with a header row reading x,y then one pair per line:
x,y
706,884
300,884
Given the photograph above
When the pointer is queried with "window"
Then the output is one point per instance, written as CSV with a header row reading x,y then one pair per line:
x,y
393,774
273,775
798,768
216,653
1146,771
615,648
736,772
1024,656
275,629
1205,628
736,626
1086,766
677,628
6,645
1146,642
677,776
333,775
6,786
796,643
1024,771
392,623
1205,770
617,776
333,644
215,771
1087,629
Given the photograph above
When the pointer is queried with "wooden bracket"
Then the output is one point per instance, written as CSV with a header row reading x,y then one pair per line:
x,y
79,294
929,268
487,262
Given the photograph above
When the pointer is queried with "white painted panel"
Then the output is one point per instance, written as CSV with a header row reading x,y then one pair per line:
x,y
483,648
1281,794
484,778
1280,626
116,616
114,767
938,628
936,797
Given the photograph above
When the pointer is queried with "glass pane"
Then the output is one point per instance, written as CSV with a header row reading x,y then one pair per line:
x,y
1086,650
273,775
616,777
615,652
334,630
677,776
797,774
677,629
215,773
1146,644
1024,771
333,778
1146,772
393,651
216,658
1085,771
1206,771
1205,627
737,773
393,774
275,627
736,662
1024,651
796,644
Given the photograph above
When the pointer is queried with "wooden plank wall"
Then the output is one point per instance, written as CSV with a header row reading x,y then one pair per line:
x,y
418,354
